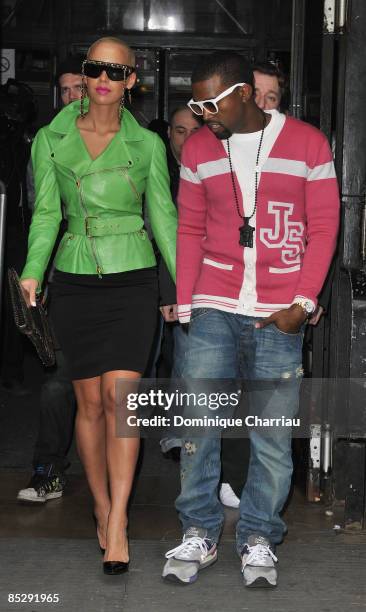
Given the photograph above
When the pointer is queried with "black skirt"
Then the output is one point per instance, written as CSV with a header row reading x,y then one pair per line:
x,y
104,324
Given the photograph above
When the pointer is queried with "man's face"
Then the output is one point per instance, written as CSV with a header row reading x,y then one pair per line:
x,y
230,117
183,125
267,91
70,87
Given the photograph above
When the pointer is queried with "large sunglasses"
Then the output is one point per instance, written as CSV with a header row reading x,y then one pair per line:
x,y
115,72
197,107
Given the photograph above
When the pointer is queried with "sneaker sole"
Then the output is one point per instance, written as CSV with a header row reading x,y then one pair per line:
x,y
260,583
174,578
40,500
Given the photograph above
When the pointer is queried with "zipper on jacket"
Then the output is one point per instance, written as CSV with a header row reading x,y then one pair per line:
x,y
124,172
92,241
138,196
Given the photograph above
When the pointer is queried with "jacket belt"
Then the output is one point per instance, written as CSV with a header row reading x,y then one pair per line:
x,y
99,226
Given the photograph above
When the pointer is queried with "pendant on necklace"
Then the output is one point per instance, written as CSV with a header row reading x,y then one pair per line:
x,y
246,234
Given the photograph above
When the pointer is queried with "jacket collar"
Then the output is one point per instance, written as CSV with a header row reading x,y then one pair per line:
x,y
70,151
65,120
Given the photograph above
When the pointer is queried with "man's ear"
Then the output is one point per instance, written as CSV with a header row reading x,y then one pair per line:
x,y
169,132
246,92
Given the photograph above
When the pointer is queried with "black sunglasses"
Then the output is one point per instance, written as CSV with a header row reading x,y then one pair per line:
x,y
115,72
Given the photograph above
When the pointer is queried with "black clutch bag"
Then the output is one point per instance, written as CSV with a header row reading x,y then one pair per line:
x,y
31,321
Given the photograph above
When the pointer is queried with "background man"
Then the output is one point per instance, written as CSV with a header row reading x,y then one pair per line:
x,y
270,87
182,124
258,220
69,81
57,402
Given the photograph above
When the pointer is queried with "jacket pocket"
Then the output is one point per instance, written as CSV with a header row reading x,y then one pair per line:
x,y
199,312
65,242
217,264
290,334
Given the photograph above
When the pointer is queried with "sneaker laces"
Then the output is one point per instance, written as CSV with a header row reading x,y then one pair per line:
x,y
258,555
50,483
44,481
188,546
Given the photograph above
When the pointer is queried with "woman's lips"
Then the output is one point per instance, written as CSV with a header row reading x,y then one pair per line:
x,y
102,90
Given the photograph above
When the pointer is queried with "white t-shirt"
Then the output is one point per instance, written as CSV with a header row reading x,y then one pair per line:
x,y
244,149
243,152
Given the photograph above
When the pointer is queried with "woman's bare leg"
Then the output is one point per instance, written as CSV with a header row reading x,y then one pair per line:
x,y
91,442
122,454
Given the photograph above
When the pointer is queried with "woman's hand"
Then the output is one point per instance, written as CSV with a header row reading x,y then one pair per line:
x,y
170,313
316,316
29,286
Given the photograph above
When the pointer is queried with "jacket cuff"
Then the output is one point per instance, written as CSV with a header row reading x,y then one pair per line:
x,y
184,313
31,272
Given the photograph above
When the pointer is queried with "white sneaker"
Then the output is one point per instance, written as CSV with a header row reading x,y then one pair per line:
x,y
228,497
185,561
258,563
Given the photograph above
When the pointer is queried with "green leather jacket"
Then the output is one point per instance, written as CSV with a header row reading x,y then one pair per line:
x,y
102,198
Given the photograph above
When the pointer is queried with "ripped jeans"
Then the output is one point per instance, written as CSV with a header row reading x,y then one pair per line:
x,y
224,345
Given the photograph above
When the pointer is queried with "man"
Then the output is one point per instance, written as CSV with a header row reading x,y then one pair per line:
x,y
259,207
270,90
69,82
270,87
57,401
182,124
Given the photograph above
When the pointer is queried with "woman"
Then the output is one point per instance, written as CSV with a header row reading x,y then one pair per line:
x,y
104,294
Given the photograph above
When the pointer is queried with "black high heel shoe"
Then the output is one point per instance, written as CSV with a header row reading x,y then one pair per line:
x,y
102,550
113,568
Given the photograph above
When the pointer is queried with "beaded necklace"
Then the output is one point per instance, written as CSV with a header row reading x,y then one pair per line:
x,y
246,231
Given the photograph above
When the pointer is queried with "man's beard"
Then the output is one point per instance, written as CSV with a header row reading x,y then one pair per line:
x,y
222,134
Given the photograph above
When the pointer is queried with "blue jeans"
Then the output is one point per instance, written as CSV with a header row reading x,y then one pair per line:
x,y
224,345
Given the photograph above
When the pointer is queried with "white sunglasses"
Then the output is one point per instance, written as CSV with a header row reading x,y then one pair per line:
x,y
210,105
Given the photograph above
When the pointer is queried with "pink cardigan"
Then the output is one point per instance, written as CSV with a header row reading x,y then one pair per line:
x,y
296,225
